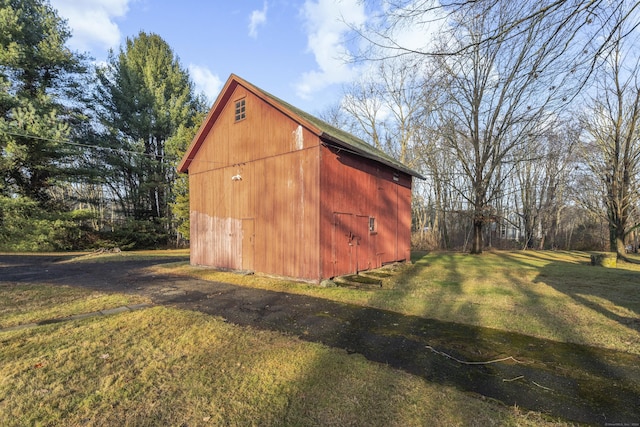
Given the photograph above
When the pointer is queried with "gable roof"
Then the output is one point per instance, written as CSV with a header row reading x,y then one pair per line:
x,y
326,132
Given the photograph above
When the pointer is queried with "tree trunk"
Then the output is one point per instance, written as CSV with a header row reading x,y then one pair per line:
x,y
617,245
476,246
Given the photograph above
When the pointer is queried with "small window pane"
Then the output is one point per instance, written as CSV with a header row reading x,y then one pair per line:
x,y
240,111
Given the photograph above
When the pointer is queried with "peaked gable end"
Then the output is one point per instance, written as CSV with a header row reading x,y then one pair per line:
x,y
328,133
225,98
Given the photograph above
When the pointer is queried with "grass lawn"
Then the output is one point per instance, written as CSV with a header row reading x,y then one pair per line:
x,y
551,295
164,366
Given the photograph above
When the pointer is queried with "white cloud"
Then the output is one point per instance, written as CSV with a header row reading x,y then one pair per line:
x,y
91,21
327,22
205,81
257,18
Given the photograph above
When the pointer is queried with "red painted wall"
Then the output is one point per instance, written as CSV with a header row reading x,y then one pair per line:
x,y
266,195
355,189
254,193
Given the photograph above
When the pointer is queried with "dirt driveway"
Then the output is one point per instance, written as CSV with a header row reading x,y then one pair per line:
x,y
574,382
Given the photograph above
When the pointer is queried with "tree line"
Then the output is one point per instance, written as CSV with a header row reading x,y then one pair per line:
x,y
89,152
523,116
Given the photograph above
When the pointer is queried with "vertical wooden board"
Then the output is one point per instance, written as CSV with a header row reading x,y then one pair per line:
x,y
326,222
308,173
262,218
404,221
248,248
195,200
310,242
341,245
272,207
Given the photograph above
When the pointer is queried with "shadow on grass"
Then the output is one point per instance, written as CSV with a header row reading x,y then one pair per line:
x,y
602,377
570,381
611,292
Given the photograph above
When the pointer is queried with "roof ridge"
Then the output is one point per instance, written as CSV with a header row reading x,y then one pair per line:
x,y
342,137
328,133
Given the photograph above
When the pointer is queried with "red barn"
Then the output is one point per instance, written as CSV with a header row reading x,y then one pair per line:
x,y
278,191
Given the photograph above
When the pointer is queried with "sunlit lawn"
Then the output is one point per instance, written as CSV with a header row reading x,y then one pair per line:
x,y
163,366
553,295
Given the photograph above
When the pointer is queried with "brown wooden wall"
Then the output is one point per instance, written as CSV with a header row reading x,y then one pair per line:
x,y
267,220
355,189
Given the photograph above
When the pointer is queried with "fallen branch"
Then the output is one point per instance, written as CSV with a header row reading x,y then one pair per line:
x,y
441,353
541,386
513,379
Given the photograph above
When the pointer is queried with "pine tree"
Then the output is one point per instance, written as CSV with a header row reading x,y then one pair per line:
x,y
40,106
38,81
145,97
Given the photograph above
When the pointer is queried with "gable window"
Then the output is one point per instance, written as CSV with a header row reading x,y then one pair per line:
x,y
240,110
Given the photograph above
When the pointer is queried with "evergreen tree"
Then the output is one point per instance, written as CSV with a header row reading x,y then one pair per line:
x,y
40,105
176,147
38,81
144,97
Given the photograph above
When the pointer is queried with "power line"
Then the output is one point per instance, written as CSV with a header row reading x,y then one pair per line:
x,y
78,144
97,147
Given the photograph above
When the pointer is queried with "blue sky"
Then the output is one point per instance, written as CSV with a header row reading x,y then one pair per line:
x,y
290,48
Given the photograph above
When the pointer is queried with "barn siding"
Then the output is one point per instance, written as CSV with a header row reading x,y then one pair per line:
x,y
274,207
353,190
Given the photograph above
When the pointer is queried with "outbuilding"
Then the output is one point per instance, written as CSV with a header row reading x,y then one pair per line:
x,y
277,191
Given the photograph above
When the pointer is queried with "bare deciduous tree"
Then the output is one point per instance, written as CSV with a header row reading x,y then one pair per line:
x,y
498,95
542,180
612,146
387,106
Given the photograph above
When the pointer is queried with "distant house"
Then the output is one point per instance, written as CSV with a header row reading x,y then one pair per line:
x,y
278,191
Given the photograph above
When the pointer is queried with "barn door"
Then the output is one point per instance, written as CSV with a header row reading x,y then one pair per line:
x,y
350,243
360,242
248,246
341,244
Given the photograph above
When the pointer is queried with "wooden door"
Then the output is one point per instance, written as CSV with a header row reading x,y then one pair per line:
x,y
248,246
360,242
341,244
350,243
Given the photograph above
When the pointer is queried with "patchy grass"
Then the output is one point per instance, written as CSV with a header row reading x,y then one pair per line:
x,y
21,304
163,366
129,255
551,295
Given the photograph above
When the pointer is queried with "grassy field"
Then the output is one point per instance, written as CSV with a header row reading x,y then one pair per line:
x,y
551,295
163,366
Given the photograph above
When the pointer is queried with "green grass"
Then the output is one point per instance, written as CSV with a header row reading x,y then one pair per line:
x,y
21,304
551,295
163,366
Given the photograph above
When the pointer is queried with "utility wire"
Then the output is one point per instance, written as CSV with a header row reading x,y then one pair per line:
x,y
78,144
124,151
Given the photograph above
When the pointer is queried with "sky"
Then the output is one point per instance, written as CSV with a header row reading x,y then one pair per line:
x,y
290,48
